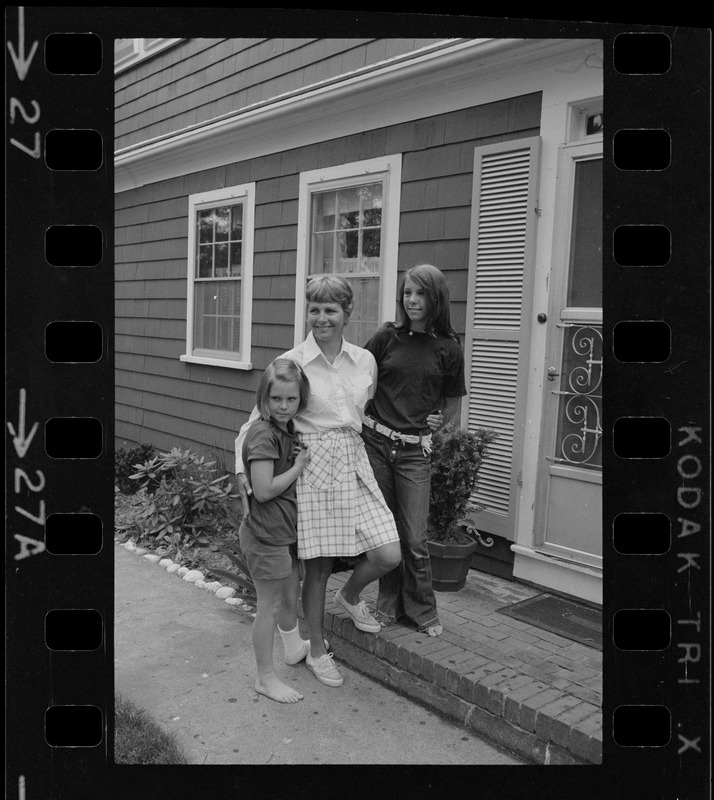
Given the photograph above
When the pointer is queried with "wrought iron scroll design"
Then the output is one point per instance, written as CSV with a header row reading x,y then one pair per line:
x,y
579,424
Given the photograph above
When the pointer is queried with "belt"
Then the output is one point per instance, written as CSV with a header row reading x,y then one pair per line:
x,y
423,441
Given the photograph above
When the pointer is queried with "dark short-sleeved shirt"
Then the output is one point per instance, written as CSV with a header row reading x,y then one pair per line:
x,y
275,520
417,371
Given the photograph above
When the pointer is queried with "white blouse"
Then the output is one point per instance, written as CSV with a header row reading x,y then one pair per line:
x,y
338,391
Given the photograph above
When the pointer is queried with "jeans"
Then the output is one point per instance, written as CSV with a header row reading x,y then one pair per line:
x,y
403,473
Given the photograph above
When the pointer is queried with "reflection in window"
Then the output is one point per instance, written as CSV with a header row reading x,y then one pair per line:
x,y
585,277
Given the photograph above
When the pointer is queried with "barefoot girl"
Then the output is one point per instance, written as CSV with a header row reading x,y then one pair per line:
x,y
420,383
341,511
268,534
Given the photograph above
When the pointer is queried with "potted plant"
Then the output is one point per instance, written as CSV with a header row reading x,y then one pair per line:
x,y
455,462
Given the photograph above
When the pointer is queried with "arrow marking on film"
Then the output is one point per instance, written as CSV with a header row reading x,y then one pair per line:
x,y
22,64
18,439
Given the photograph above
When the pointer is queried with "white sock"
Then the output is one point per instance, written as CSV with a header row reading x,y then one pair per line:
x,y
292,641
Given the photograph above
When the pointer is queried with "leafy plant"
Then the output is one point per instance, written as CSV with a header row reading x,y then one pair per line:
x,y
126,460
455,463
181,503
241,577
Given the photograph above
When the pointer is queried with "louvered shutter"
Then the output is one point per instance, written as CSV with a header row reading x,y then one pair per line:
x,y
501,262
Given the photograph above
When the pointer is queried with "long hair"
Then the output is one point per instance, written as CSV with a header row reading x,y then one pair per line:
x,y
287,371
436,292
330,289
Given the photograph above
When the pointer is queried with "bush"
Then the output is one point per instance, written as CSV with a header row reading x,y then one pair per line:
x,y
181,502
126,461
455,462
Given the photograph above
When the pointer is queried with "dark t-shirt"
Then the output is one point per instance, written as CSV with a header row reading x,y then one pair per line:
x,y
275,520
417,371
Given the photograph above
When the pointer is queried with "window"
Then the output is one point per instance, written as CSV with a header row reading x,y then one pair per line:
x,y
220,273
348,226
129,51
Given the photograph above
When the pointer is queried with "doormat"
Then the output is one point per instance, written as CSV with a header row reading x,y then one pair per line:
x,y
567,618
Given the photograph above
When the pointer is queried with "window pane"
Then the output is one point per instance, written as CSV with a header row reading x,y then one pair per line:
x,y
205,261
365,317
323,253
221,260
237,222
349,208
205,226
372,243
221,217
585,279
217,323
323,211
235,259
372,204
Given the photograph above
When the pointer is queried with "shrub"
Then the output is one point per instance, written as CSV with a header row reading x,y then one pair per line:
x,y
180,502
126,461
455,462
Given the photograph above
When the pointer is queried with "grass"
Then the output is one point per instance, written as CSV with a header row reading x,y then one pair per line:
x,y
140,740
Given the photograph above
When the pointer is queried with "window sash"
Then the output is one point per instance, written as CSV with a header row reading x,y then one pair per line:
x,y
348,226
219,282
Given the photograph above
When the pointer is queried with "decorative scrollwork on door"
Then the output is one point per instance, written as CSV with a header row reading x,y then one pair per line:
x,y
579,431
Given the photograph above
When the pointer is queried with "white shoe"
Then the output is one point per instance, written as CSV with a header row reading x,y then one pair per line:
x,y
361,617
325,670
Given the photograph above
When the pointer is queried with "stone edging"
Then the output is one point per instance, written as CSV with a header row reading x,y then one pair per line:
x,y
194,576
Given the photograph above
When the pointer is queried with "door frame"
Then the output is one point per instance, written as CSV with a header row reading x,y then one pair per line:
x,y
568,155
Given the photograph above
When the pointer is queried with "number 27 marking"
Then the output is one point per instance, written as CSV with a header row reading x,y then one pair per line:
x,y
15,104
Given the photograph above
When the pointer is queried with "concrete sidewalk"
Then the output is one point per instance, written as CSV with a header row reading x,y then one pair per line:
x,y
185,656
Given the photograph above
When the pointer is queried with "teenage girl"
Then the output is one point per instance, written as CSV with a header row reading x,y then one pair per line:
x,y
268,535
420,383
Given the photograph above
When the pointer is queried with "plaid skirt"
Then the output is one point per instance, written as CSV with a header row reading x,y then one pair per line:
x,y
341,509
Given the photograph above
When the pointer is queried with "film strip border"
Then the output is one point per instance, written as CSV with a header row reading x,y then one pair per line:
x,y
60,407
656,591
59,402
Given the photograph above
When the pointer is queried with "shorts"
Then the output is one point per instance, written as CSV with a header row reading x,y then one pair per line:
x,y
267,562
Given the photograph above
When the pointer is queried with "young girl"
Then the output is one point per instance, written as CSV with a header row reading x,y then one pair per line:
x,y
268,536
420,383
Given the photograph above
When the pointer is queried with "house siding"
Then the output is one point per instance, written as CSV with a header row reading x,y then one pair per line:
x,y
197,80
167,402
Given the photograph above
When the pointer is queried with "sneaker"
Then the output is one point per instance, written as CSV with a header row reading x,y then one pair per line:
x,y
325,670
363,620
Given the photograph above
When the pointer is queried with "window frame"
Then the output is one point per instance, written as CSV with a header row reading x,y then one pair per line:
x,y
141,51
231,195
388,169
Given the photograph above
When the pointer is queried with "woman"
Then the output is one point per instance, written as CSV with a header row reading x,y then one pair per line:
x,y
420,384
341,510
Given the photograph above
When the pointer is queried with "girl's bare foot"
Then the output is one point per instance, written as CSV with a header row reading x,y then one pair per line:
x,y
276,690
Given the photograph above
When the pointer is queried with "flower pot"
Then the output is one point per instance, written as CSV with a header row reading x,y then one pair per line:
x,y
450,565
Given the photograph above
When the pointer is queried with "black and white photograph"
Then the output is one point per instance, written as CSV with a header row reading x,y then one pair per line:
x,y
417,223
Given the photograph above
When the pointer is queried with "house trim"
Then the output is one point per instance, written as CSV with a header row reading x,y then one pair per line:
x,y
567,577
477,71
